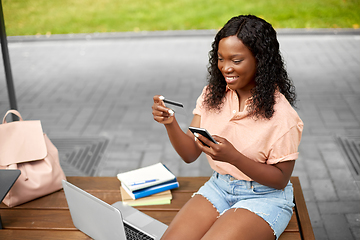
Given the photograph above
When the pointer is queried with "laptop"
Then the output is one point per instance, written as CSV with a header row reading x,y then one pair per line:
x,y
7,179
100,220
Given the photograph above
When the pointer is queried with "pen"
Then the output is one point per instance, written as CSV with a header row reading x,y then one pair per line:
x,y
143,182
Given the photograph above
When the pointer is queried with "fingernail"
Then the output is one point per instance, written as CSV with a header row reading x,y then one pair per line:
x,y
196,135
162,97
171,112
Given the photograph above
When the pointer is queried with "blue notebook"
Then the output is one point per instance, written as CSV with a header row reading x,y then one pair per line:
x,y
152,190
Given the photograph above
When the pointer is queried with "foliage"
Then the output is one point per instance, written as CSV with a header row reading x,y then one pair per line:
x,y
30,17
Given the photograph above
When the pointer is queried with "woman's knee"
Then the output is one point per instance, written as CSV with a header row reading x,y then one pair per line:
x,y
193,220
240,224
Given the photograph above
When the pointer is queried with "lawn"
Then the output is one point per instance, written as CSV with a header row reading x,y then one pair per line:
x,y
30,17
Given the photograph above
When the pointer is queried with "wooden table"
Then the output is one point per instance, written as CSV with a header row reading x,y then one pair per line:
x,y
49,218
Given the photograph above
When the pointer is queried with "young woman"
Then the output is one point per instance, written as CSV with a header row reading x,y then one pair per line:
x,y
247,106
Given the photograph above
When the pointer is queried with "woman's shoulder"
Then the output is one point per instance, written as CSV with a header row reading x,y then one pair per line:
x,y
284,112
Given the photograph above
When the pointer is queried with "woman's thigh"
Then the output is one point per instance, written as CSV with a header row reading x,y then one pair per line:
x,y
240,223
193,220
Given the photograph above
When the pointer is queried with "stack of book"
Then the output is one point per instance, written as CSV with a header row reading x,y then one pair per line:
x,y
148,185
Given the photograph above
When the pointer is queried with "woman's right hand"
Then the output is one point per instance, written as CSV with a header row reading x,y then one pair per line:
x,y
161,113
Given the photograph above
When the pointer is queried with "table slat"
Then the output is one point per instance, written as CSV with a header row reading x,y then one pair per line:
x,y
61,219
42,234
36,219
70,235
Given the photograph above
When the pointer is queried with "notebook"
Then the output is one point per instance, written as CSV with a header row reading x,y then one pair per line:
x,y
7,179
155,199
146,177
100,220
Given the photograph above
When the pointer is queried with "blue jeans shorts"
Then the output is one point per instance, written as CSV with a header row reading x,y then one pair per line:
x,y
273,205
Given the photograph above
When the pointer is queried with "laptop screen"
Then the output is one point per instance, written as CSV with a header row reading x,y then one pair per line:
x,y
7,180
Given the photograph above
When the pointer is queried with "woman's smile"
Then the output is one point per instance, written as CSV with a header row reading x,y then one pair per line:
x,y
231,79
237,64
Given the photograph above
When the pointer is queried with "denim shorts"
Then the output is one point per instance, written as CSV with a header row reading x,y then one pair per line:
x,y
273,205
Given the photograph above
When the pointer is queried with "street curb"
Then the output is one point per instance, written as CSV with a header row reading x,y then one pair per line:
x,y
112,35
167,34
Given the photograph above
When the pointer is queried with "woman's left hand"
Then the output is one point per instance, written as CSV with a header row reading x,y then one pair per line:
x,y
223,151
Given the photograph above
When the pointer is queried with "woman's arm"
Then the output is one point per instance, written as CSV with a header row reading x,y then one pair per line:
x,y
276,176
183,143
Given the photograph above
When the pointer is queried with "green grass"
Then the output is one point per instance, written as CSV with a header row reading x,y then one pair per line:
x,y
30,17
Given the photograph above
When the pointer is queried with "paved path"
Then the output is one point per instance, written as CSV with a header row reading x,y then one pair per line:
x,y
91,86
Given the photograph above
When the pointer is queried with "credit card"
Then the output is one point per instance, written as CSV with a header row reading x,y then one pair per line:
x,y
177,107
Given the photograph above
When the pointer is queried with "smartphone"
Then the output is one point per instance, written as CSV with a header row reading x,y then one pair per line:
x,y
203,132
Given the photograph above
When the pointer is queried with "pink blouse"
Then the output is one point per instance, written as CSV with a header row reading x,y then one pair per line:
x,y
266,141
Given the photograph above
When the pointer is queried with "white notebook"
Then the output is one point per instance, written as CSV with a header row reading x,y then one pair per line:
x,y
146,177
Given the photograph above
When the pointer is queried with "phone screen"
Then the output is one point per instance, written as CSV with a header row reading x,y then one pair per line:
x,y
204,133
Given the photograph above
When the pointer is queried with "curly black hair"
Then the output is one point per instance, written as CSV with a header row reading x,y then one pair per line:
x,y
260,38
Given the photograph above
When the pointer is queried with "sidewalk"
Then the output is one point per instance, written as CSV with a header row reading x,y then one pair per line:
x,y
89,88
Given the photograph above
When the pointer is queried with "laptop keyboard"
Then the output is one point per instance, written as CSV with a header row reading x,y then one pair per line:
x,y
134,234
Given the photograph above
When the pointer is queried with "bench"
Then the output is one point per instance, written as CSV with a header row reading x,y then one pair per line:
x,y
49,218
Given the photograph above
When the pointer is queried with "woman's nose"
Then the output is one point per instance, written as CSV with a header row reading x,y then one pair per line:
x,y
228,68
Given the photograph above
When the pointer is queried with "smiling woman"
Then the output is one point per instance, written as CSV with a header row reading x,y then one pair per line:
x,y
247,106
89,16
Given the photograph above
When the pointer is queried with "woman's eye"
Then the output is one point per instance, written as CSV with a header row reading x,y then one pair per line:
x,y
237,61
220,59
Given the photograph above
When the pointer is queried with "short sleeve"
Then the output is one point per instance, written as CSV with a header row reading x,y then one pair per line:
x,y
199,103
286,147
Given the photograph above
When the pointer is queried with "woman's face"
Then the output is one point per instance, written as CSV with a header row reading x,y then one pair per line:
x,y
237,64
